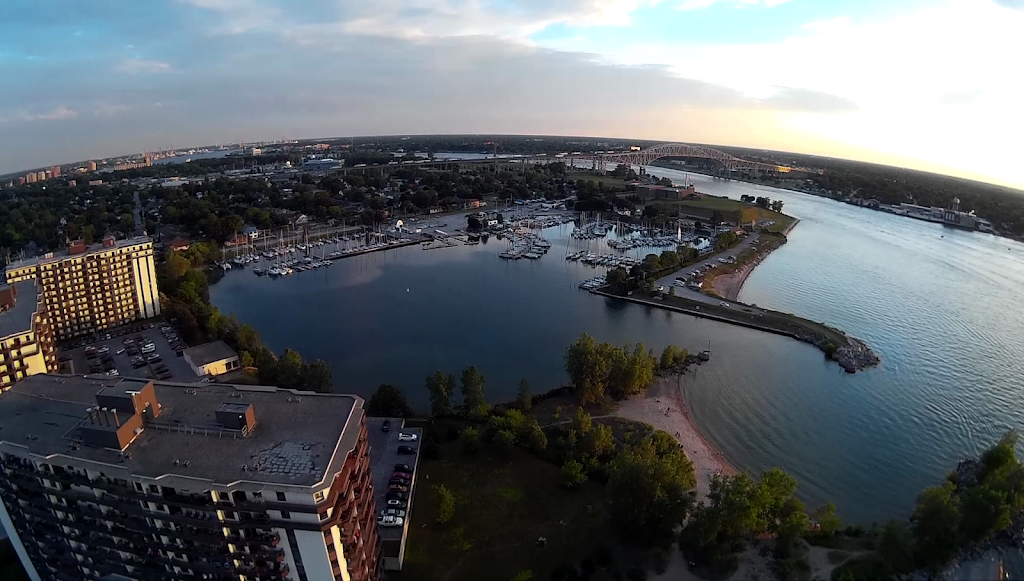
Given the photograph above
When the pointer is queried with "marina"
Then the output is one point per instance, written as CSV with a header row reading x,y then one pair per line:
x,y
868,441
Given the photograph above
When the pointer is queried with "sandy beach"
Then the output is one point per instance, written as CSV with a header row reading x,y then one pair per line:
x,y
663,407
728,286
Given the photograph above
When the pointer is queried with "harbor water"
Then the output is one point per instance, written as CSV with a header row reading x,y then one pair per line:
x,y
936,304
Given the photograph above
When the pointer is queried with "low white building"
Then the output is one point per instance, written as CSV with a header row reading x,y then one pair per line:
x,y
214,358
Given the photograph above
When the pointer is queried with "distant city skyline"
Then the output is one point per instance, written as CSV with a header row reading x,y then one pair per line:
x,y
913,83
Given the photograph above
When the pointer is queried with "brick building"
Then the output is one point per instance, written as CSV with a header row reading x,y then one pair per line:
x,y
90,288
145,481
26,340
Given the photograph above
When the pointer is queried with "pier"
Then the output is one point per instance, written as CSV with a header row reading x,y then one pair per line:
x,y
850,353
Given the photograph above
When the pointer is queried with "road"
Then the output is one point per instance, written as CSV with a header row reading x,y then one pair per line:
x,y
693,295
137,210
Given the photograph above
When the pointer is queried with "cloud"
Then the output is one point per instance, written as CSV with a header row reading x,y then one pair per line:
x,y
58,114
699,4
415,19
139,66
1014,4
807,101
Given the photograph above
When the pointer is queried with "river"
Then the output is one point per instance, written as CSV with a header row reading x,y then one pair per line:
x,y
936,304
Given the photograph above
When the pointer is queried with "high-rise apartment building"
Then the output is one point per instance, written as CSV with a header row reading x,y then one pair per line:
x,y
54,171
26,340
30,177
41,176
131,479
92,166
89,288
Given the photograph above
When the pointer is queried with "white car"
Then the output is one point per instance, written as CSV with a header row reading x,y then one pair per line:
x,y
119,351
724,304
390,521
407,437
395,503
392,512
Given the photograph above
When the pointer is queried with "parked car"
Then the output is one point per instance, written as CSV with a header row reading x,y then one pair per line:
x,y
406,450
392,512
399,481
386,426
402,475
390,521
407,437
403,468
396,503
395,495
398,487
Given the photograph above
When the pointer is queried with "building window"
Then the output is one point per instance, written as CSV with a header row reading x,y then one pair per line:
x,y
286,514
281,497
323,515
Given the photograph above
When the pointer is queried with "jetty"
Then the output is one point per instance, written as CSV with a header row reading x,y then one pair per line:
x,y
850,353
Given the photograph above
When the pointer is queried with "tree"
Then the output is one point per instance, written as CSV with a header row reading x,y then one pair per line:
x,y
599,441
935,524
573,474
896,547
581,421
504,441
773,491
470,438
632,373
793,521
388,401
524,575
473,397
440,394
672,291
985,512
177,265
535,437
616,277
289,369
587,369
524,401
445,503
648,493
669,259
316,376
776,205
827,519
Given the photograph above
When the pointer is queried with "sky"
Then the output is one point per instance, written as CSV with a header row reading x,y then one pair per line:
x,y
929,84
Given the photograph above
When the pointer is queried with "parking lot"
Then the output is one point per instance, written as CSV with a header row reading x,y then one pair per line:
x,y
123,345
383,458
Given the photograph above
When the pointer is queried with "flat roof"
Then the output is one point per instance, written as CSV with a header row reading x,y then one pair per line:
x,y
208,353
18,319
62,254
295,439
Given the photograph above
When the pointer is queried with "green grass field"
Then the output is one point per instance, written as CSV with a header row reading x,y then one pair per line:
x,y
707,205
503,504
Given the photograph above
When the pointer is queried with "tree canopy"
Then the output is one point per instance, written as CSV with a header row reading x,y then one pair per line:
x,y
388,401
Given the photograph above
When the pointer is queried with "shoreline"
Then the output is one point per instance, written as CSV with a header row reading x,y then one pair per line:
x,y
664,406
732,283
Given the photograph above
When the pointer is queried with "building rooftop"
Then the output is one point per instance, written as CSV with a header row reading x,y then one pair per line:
x,y
18,319
298,438
61,255
208,353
